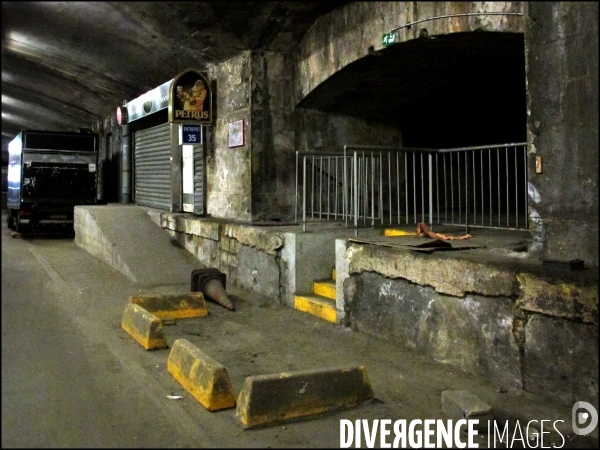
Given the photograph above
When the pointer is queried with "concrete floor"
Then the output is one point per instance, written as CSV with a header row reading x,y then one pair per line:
x,y
72,378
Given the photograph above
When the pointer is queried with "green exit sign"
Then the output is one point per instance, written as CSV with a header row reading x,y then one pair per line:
x,y
388,39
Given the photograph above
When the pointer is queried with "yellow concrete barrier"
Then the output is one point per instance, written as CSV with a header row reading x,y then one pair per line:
x,y
280,397
144,327
177,306
393,232
202,376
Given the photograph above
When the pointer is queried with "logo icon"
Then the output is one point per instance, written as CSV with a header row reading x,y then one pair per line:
x,y
580,418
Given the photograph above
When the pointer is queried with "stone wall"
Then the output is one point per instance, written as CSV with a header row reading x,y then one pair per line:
x,y
562,73
248,256
228,171
325,132
520,326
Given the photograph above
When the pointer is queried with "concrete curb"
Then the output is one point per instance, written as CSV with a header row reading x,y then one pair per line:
x,y
144,327
466,405
176,306
201,375
280,397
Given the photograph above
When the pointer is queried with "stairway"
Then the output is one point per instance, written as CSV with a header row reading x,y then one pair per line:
x,y
321,302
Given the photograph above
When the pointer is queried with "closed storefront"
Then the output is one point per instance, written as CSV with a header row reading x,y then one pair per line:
x,y
152,167
167,163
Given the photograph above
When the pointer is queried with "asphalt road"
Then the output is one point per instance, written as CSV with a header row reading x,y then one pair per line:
x,y
67,381
71,377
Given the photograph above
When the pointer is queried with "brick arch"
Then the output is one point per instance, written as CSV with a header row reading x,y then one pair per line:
x,y
350,33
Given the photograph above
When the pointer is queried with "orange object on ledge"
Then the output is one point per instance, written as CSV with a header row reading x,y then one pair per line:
x,y
423,229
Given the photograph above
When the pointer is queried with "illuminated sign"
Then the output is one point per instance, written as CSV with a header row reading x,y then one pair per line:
x,y
190,98
388,39
121,115
149,103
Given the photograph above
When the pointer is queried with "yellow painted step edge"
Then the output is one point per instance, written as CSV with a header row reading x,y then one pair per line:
x,y
316,307
325,289
334,274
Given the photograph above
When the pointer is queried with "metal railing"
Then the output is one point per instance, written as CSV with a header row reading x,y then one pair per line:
x,y
324,186
483,186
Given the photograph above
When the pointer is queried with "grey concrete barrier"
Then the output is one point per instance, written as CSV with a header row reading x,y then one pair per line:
x,y
280,397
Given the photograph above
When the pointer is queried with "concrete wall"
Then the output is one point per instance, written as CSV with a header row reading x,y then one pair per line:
x,y
273,158
562,73
511,322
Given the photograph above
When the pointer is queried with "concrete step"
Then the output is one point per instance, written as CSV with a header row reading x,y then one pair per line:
x,y
316,305
325,288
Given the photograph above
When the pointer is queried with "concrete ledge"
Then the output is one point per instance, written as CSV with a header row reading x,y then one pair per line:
x,y
451,276
262,239
558,297
466,405
202,376
279,397
176,306
144,327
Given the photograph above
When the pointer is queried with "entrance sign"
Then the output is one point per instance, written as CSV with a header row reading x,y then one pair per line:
x,y
190,98
190,134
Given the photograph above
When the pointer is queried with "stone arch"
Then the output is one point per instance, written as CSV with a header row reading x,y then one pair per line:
x,y
350,33
468,86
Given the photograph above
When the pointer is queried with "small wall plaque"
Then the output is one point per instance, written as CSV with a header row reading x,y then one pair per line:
x,y
236,133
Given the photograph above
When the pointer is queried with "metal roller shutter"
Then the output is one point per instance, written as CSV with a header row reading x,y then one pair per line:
x,y
153,167
199,179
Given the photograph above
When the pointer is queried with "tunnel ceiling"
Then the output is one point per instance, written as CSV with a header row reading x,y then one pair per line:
x,y
65,64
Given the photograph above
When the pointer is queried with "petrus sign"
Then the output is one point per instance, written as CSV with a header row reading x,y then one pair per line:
x,y
191,134
190,98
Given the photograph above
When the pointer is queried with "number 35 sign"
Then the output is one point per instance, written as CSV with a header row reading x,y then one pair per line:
x,y
190,134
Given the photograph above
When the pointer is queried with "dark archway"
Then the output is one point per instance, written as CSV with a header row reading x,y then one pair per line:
x,y
443,91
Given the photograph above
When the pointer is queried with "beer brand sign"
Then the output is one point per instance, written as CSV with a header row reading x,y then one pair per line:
x,y
190,98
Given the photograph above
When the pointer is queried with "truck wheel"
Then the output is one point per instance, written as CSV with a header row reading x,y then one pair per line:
x,y
20,227
10,220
